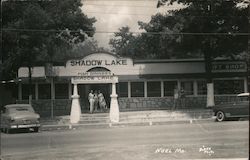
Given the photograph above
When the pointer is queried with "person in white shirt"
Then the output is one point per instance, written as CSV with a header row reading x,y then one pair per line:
x,y
91,101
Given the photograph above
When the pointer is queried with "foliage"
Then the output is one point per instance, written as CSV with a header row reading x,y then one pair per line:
x,y
41,31
87,47
217,28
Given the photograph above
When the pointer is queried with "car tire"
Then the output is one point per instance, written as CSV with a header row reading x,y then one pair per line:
x,y
220,116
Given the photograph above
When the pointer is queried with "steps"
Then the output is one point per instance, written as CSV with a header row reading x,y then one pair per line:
x,y
141,117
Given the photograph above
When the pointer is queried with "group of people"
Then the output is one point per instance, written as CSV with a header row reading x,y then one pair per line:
x,y
96,98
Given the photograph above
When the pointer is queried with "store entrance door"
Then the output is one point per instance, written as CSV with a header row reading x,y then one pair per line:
x,y
84,90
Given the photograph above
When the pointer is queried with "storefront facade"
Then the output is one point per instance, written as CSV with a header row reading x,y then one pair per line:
x,y
139,84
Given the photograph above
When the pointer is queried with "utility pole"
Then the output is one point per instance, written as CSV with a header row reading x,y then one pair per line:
x,y
1,50
208,65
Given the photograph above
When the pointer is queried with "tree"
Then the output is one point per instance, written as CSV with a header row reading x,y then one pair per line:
x,y
85,48
206,28
214,28
37,31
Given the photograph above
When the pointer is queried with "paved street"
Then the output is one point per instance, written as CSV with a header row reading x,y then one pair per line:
x,y
177,141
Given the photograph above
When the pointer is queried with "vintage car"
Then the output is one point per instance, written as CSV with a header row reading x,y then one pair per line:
x,y
233,110
17,116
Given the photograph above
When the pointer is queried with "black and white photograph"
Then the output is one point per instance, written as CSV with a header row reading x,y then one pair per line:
x,y
124,79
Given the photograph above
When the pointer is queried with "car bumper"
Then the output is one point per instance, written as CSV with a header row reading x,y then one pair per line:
x,y
214,117
24,126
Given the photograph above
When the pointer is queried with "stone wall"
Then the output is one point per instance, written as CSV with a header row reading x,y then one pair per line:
x,y
142,103
62,106
48,107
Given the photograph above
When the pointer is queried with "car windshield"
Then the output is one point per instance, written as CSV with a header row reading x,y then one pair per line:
x,y
20,109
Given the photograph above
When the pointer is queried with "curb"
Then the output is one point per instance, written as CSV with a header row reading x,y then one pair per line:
x,y
121,124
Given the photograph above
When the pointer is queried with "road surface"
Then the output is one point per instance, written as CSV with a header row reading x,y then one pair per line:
x,y
208,140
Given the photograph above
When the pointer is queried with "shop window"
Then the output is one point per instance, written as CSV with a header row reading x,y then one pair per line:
x,y
61,91
154,89
44,91
228,86
25,91
188,87
137,89
202,87
169,87
122,89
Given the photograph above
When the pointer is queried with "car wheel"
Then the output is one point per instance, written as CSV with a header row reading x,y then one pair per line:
x,y
220,116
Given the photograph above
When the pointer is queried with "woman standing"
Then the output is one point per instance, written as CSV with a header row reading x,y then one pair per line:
x,y
102,102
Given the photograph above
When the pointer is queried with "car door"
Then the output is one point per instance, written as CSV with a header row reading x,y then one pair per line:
x,y
243,108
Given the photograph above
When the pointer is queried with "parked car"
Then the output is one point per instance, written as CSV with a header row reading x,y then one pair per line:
x,y
17,116
237,109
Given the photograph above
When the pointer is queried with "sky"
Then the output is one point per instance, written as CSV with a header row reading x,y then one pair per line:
x,y
114,14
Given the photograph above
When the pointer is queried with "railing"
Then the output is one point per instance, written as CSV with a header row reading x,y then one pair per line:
x,y
57,107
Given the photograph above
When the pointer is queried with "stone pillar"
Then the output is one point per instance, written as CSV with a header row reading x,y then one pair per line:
x,y
75,113
114,107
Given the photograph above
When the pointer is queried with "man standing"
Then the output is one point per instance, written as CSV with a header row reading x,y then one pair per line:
x,y
91,101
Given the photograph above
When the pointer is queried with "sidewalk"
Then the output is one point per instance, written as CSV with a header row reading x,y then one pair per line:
x,y
134,118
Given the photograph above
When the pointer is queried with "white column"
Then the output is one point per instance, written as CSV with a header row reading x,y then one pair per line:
x,y
210,94
129,89
114,107
75,113
145,89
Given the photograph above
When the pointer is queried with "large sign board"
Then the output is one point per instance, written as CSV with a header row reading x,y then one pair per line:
x,y
98,62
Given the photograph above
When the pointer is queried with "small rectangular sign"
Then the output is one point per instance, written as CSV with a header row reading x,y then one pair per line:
x,y
229,67
94,79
